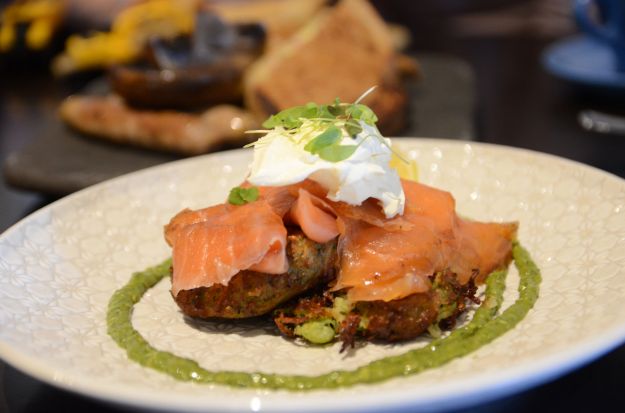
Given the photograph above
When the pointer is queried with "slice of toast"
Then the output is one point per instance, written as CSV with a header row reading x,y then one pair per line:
x,y
281,18
343,51
109,118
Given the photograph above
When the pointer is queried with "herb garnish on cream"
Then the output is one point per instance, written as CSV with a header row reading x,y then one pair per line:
x,y
336,145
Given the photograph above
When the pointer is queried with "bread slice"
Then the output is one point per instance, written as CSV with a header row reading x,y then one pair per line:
x,y
344,50
109,118
281,18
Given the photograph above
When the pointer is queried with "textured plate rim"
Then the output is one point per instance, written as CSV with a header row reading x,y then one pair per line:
x,y
453,394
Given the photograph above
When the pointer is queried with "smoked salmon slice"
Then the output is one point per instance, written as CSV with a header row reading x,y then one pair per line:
x,y
378,258
317,224
388,263
212,245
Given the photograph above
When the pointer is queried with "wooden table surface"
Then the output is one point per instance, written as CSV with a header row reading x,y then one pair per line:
x,y
519,104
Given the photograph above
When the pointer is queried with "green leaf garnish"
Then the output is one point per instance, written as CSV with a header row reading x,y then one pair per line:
x,y
353,128
329,137
337,153
292,118
361,112
334,120
337,109
241,196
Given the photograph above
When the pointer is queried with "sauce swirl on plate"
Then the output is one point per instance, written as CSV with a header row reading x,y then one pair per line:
x,y
484,327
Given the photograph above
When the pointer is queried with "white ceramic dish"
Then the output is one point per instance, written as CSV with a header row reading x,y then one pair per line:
x,y
59,267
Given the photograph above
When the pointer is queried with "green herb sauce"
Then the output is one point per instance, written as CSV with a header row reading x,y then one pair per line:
x,y
484,327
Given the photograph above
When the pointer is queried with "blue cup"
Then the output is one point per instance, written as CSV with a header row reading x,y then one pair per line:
x,y
610,29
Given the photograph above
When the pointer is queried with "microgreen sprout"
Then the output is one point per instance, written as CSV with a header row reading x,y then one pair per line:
x,y
241,196
330,123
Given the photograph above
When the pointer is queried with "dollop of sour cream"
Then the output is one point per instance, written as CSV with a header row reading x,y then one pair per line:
x,y
280,159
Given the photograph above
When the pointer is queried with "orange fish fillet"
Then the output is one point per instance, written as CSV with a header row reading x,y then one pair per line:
x,y
387,263
379,259
317,224
212,245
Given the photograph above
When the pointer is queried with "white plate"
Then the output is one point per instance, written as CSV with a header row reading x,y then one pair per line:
x,y
59,266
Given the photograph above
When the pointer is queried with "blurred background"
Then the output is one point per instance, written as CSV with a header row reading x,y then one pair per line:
x,y
513,72
94,89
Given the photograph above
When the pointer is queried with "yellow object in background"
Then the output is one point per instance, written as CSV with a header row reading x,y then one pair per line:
x,y
41,16
129,32
405,167
156,17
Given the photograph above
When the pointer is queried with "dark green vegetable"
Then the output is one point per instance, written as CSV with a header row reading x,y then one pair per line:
x,y
482,329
